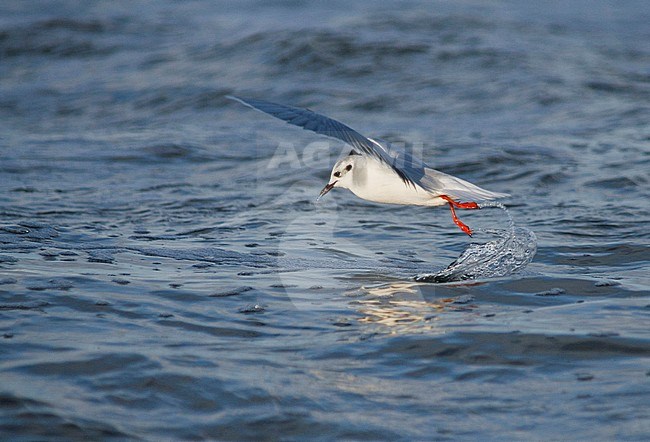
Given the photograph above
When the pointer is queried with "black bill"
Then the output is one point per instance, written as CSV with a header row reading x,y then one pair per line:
x,y
326,189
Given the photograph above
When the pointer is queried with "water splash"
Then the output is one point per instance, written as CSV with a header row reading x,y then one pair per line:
x,y
510,252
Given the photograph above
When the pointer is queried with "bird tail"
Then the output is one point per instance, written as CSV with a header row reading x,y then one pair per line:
x,y
460,189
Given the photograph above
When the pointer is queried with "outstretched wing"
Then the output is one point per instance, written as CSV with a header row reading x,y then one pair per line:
x,y
323,125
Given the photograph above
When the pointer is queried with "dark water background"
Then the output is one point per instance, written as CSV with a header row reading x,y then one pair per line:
x,y
166,274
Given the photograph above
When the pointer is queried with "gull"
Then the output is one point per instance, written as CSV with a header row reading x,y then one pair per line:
x,y
379,172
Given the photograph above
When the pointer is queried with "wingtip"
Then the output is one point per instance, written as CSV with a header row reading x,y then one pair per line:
x,y
235,98
250,103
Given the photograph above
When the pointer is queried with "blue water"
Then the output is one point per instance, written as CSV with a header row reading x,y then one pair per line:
x,y
165,271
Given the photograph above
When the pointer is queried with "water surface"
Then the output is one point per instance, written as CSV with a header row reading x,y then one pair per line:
x,y
166,273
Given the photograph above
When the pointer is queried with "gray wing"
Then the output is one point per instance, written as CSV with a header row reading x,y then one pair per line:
x,y
323,125
434,181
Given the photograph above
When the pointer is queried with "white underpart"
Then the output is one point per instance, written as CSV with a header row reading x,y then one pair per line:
x,y
383,185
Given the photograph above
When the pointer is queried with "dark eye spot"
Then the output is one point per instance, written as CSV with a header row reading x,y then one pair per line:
x,y
348,167
337,174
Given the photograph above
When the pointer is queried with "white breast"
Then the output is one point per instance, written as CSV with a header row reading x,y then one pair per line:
x,y
382,185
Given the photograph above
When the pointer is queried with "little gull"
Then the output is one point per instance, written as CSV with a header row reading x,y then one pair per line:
x,y
379,172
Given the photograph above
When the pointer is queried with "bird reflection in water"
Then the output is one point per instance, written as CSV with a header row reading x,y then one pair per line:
x,y
402,308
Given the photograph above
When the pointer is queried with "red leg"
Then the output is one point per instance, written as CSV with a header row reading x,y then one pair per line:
x,y
452,205
470,205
